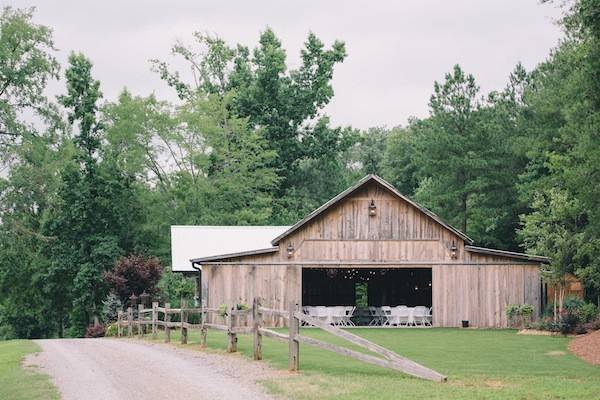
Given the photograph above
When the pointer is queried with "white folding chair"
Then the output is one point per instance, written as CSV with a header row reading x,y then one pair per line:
x,y
348,313
386,314
421,316
402,315
373,315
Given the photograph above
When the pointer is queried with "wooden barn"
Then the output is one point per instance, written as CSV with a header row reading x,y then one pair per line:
x,y
371,238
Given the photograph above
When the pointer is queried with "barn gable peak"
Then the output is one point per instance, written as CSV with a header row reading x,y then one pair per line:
x,y
361,183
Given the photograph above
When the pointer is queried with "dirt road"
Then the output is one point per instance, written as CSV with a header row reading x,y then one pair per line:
x,y
107,369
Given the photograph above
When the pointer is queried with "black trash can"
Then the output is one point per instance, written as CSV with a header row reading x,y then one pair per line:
x,y
465,324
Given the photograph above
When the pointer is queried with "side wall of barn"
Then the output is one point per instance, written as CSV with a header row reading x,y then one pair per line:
x,y
480,293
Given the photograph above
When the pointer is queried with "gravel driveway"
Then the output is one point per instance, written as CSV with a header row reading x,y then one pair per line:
x,y
90,369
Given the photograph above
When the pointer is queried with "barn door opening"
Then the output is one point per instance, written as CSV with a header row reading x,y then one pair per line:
x,y
383,286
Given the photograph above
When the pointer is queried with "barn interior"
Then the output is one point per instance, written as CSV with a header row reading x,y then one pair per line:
x,y
362,287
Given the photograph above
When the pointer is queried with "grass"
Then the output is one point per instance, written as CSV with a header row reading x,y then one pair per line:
x,y
480,364
17,383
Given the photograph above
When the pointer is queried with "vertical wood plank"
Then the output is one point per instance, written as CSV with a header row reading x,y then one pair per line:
x,y
257,322
183,320
140,319
129,321
167,322
154,319
294,330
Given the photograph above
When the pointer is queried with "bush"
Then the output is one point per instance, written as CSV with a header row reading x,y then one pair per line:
x,y
588,312
134,274
519,315
112,330
110,307
95,331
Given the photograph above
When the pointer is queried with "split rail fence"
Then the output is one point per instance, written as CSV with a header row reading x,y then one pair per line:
x,y
149,317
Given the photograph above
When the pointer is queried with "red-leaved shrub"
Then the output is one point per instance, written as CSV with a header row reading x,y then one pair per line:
x,y
95,331
134,274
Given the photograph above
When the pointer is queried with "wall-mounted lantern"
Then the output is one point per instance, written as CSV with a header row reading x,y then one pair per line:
x,y
290,250
372,208
453,251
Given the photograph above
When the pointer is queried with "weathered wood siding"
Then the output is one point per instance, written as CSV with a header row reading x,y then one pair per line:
x,y
480,293
474,286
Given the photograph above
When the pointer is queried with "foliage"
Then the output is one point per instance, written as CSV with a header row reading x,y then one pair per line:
x,y
173,287
111,330
26,65
111,307
285,103
134,274
519,315
95,331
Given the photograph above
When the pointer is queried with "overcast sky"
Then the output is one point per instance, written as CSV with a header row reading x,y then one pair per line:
x,y
395,49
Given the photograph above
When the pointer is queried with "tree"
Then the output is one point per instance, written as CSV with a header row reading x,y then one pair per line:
x,y
26,65
548,229
285,104
134,274
95,213
398,165
33,155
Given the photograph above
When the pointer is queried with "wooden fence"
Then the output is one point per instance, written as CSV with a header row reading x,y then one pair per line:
x,y
151,317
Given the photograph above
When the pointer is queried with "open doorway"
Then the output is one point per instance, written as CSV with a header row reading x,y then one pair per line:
x,y
374,286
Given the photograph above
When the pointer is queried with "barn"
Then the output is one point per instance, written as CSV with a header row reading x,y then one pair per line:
x,y
372,241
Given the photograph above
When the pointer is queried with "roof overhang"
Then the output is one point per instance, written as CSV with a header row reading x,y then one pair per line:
x,y
504,253
200,260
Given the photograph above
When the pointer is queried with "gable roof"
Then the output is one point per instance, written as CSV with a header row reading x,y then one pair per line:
x,y
350,190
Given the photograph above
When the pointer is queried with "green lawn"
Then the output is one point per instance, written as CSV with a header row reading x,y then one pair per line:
x,y
480,364
17,383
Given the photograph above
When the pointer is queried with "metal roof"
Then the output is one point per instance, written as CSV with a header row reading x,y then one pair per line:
x,y
350,190
200,241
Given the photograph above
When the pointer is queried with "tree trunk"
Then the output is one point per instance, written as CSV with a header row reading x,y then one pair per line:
x,y
554,305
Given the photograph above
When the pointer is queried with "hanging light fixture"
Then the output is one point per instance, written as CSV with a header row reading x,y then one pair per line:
x,y
372,208
453,251
290,250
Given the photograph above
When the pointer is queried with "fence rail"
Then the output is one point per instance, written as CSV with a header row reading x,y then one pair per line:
x,y
151,317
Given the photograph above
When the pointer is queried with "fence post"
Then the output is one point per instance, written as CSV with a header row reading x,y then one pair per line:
x,y
167,323
129,322
119,321
140,320
203,329
183,318
154,319
257,322
294,346
231,336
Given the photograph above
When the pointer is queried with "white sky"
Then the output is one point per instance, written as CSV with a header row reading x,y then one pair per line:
x,y
395,49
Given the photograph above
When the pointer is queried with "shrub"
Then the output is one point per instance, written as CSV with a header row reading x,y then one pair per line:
x,y
134,274
222,312
110,307
112,330
519,315
95,331
588,312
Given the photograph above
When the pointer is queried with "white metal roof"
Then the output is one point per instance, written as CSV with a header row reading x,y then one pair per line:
x,y
193,241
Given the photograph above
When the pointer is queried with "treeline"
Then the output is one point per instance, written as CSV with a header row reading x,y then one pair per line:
x,y
88,181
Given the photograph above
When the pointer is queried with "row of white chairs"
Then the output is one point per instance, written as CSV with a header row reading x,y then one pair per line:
x,y
334,315
400,316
